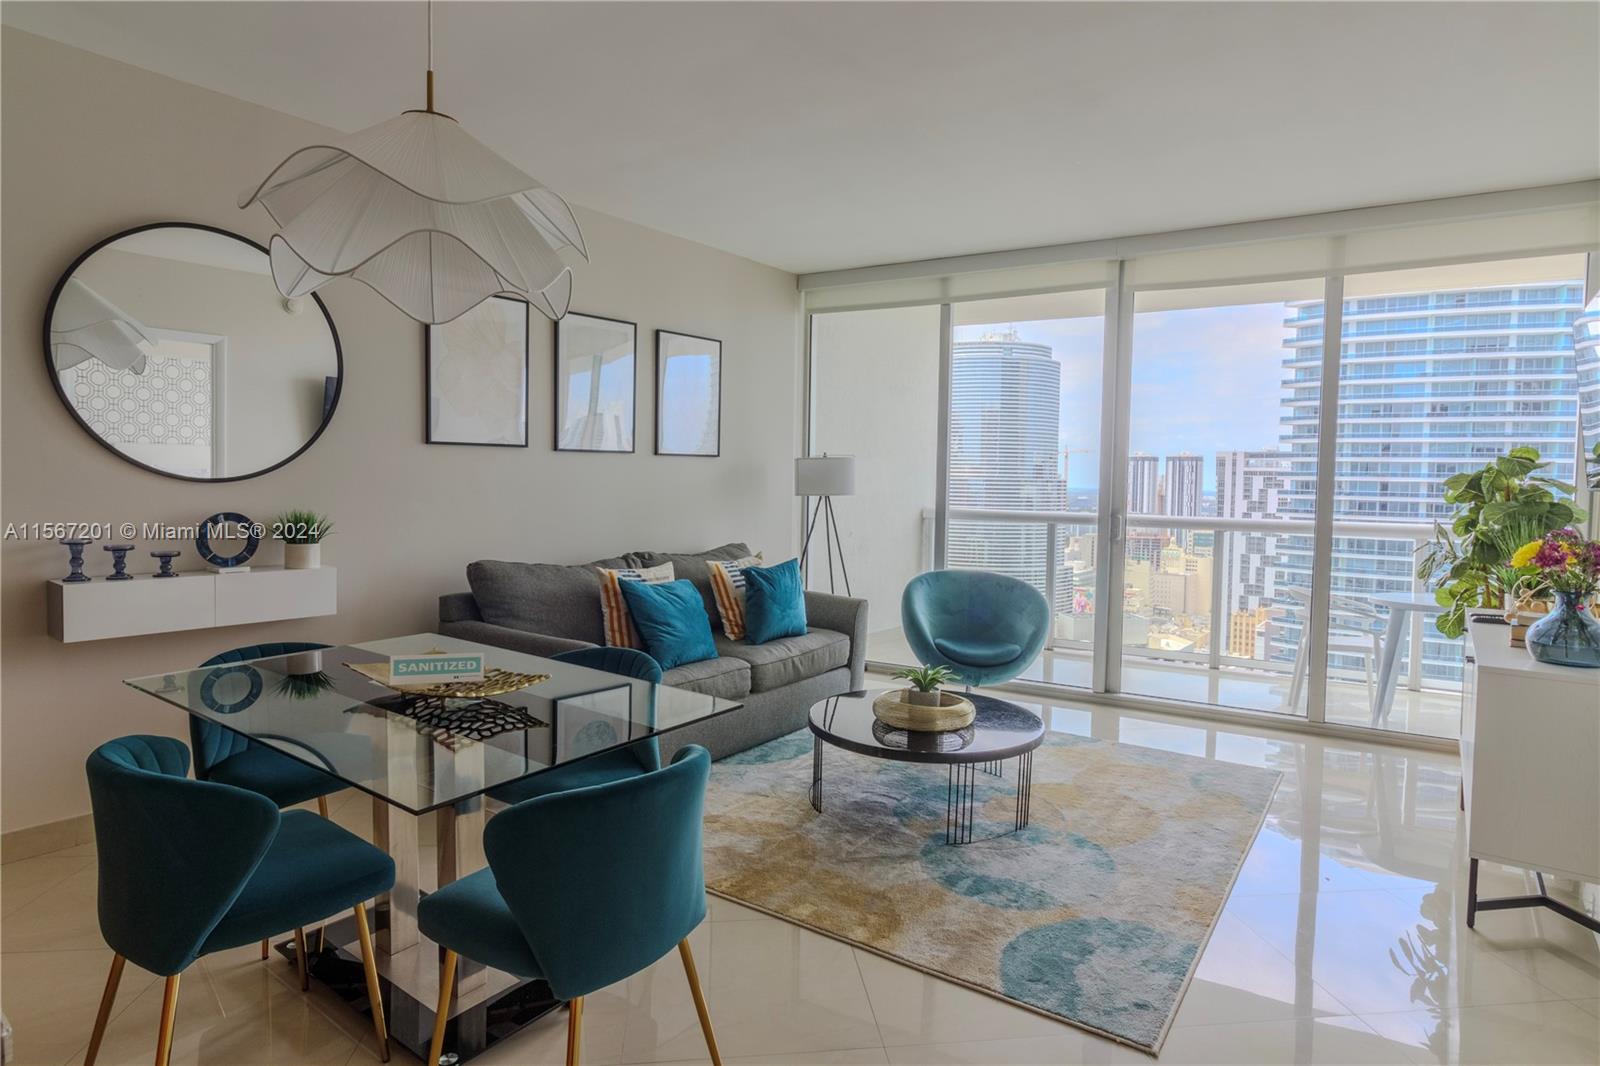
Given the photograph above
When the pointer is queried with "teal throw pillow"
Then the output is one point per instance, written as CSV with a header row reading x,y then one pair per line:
x,y
671,620
774,602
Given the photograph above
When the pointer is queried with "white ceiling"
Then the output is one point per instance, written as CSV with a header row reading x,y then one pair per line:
x,y
813,136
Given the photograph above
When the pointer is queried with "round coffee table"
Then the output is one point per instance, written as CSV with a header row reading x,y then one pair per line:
x,y
1000,731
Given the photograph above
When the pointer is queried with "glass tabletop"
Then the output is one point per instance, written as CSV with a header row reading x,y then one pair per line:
x,y
999,730
423,753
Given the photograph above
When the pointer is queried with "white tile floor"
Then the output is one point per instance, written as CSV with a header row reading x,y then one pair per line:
x,y
1343,942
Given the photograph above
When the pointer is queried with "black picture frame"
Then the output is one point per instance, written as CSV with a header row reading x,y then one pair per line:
x,y
660,410
560,328
330,402
430,435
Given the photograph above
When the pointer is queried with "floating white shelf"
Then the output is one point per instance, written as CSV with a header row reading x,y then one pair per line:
x,y
101,610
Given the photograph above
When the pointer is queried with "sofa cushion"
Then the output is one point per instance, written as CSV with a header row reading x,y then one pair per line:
x,y
558,601
671,621
728,678
788,659
775,603
692,566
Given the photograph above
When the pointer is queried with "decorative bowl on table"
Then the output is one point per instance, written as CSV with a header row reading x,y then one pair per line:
x,y
895,708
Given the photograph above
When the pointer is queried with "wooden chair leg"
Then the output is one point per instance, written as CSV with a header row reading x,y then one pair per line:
x,y
265,953
374,994
699,1000
110,997
322,806
169,1012
300,958
574,1030
441,1013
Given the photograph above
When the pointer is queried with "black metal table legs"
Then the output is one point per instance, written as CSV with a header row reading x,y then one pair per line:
x,y
960,794
1024,788
1505,903
816,774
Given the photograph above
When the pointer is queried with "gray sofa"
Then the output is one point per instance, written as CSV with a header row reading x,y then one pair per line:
x,y
545,609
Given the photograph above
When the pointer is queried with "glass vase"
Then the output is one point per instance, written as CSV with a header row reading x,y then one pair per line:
x,y
1567,636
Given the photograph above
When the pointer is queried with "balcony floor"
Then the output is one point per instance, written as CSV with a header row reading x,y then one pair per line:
x,y
1430,712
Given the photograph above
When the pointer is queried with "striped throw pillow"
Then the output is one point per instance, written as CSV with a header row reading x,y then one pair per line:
x,y
614,617
727,588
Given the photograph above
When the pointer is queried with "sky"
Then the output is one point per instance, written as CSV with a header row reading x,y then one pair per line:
x,y
1204,380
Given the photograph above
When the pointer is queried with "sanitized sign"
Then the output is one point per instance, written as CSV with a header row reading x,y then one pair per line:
x,y
433,669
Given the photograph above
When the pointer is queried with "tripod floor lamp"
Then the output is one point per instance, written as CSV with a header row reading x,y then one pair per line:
x,y
824,477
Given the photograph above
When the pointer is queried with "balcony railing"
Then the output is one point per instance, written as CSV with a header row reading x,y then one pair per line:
x,y
1059,524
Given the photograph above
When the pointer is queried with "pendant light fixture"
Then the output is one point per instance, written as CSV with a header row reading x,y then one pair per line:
x,y
422,212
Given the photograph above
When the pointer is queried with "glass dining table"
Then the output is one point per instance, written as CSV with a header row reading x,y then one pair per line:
x,y
428,764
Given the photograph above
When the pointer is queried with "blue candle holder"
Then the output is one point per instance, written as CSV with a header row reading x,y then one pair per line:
x,y
119,562
75,546
166,558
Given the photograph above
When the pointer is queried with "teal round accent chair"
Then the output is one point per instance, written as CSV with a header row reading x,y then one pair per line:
x,y
986,627
188,868
615,765
228,758
583,889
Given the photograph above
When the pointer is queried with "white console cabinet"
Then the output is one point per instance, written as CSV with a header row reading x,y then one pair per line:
x,y
101,610
1530,761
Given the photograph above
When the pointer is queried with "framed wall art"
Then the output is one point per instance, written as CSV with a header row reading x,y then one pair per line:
x,y
595,370
688,394
477,374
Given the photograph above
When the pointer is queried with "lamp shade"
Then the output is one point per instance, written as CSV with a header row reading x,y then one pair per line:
x,y
825,475
88,326
422,212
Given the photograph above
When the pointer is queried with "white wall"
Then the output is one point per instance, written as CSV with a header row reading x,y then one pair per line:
x,y
91,147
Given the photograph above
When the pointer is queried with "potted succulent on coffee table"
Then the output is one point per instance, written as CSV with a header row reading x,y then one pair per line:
x,y
924,707
925,682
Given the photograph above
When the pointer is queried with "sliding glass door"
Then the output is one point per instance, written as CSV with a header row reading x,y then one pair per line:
x,y
1442,370
1221,496
1165,463
1024,416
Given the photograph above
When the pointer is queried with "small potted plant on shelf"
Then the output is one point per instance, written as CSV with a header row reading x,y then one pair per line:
x,y
1568,566
301,533
925,682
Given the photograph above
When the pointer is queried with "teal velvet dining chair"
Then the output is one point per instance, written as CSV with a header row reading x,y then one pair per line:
x,y
228,758
986,627
637,758
188,868
224,756
583,889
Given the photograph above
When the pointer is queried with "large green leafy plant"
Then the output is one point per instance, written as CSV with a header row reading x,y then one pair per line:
x,y
1498,509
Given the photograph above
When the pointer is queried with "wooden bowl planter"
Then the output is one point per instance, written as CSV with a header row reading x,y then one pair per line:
x,y
895,709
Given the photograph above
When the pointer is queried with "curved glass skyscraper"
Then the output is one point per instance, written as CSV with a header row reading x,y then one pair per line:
x,y
1005,454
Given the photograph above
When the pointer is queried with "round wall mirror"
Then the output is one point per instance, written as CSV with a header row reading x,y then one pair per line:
x,y
171,345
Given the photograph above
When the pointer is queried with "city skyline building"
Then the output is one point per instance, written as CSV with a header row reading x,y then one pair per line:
x,y
1143,484
1005,454
1432,382
1183,482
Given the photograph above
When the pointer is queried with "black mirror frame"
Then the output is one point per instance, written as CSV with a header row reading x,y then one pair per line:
x,y
55,377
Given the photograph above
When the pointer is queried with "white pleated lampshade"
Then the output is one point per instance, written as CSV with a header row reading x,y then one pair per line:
x,y
422,212
825,475
85,325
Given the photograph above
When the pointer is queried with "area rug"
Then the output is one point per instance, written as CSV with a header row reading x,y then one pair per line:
x,y
1094,914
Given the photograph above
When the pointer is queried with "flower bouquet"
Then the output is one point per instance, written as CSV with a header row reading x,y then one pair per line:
x,y
1565,566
